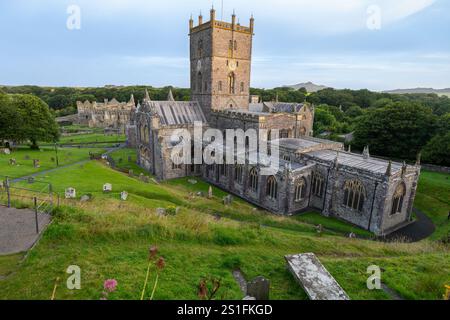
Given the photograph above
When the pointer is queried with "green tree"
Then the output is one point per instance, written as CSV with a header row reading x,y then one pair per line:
x,y
35,121
437,151
398,130
324,120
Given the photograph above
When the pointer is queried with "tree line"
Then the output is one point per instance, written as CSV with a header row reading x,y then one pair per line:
x,y
393,125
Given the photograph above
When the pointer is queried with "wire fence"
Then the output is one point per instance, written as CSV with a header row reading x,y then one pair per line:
x,y
38,196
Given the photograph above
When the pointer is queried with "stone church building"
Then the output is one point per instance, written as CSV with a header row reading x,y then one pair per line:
x,y
374,194
110,114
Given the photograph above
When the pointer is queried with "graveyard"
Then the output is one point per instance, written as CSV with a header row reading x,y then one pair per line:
x,y
116,211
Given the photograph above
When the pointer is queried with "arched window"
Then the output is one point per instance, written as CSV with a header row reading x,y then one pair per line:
x,y
284,134
300,190
272,188
238,173
254,180
231,83
269,135
397,200
317,184
242,87
354,195
223,169
199,82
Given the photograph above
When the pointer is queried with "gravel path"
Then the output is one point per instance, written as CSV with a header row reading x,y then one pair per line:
x,y
18,229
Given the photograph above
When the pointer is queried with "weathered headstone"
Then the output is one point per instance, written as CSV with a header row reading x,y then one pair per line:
x,y
228,200
30,180
192,181
124,196
210,192
85,198
200,194
130,159
7,151
141,176
161,211
146,179
107,187
12,161
258,288
36,163
70,193
104,157
317,282
131,173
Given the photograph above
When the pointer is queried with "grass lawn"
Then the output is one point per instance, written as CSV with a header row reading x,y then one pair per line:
x,y
332,224
433,198
121,160
24,158
109,238
92,138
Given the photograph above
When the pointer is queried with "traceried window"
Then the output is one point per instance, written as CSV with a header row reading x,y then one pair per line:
x,y
300,190
231,83
397,200
286,157
272,188
238,169
254,180
317,184
354,195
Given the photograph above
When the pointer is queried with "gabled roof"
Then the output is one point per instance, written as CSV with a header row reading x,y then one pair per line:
x,y
282,107
177,112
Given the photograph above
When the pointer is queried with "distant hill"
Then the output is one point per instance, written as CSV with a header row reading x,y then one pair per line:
x,y
309,86
421,90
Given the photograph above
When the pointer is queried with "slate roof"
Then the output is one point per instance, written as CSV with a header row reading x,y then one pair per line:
x,y
357,161
177,112
284,107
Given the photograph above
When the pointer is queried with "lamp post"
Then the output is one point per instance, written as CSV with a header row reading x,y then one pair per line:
x,y
56,154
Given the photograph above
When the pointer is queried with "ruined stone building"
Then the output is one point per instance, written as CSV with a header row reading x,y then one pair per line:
x,y
374,194
110,114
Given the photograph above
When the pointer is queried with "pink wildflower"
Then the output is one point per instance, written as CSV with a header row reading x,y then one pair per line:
x,y
110,285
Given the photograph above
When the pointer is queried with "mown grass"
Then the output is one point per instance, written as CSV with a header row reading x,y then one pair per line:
x,y
121,160
109,238
24,157
91,138
433,198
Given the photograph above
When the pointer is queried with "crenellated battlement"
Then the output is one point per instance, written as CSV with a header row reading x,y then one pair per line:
x,y
213,23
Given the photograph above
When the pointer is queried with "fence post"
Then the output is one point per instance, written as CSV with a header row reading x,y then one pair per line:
x,y
50,191
36,214
8,192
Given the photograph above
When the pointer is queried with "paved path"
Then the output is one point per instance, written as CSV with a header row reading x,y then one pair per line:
x,y
18,229
422,228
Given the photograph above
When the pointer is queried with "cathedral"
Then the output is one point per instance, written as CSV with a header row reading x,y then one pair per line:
x,y
313,174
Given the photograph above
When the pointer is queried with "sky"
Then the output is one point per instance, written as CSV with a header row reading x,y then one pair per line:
x,y
373,44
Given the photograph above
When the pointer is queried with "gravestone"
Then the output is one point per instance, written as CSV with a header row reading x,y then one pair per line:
x,y
258,288
161,211
124,196
30,180
210,192
104,157
12,162
85,198
131,173
107,187
36,163
7,151
317,282
228,200
200,194
27,157
70,193
130,159
146,179
141,176
192,181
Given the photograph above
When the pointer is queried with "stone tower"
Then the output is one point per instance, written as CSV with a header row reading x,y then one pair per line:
x,y
221,55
